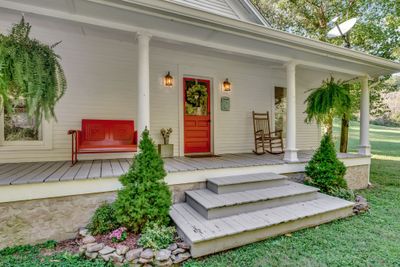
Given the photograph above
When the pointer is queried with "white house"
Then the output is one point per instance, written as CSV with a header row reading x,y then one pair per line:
x,y
116,53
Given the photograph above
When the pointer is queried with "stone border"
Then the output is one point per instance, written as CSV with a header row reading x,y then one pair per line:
x,y
176,253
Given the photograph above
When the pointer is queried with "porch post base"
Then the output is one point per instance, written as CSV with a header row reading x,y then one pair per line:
x,y
364,150
291,155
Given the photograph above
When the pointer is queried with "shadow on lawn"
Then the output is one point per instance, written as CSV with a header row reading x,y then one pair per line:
x,y
385,172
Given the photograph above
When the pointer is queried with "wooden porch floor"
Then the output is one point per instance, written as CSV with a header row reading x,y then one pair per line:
x,y
43,172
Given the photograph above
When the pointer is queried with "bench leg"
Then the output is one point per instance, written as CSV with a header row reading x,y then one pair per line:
x,y
74,152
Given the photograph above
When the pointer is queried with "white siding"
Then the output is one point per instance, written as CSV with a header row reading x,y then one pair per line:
x,y
101,72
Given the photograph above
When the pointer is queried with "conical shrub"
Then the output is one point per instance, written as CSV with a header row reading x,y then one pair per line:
x,y
145,197
325,170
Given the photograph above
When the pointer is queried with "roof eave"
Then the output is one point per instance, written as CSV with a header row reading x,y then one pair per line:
x,y
253,28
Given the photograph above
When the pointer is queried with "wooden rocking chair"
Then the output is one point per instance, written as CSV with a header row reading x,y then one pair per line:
x,y
264,139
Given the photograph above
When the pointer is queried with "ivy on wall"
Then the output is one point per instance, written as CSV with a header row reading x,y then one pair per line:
x,y
29,71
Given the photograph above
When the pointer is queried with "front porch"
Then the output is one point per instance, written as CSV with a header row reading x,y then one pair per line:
x,y
38,180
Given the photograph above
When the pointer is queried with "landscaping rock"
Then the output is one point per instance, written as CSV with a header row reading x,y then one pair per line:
x,y
163,254
106,257
83,232
178,250
91,255
106,250
173,246
361,205
163,263
183,245
82,249
88,239
180,257
144,261
95,247
147,254
122,249
133,254
116,258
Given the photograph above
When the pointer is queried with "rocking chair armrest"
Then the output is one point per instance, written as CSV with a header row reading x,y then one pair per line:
x,y
259,132
277,132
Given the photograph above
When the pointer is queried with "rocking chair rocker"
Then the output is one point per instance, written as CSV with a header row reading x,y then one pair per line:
x,y
264,139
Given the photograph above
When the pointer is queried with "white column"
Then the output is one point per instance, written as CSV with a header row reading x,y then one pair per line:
x,y
365,148
291,151
143,98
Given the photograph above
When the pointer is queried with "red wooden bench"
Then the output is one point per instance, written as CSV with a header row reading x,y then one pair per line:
x,y
103,136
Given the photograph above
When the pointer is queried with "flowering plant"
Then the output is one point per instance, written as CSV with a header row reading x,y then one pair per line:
x,y
119,235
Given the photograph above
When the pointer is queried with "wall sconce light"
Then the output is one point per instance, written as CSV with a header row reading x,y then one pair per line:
x,y
168,80
227,85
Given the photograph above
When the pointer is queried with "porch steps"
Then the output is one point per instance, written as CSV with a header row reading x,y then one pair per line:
x,y
211,222
245,182
211,205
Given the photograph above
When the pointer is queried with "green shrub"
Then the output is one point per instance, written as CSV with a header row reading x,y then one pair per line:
x,y
145,197
324,170
344,193
103,220
157,236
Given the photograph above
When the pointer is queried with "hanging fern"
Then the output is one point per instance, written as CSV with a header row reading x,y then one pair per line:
x,y
31,71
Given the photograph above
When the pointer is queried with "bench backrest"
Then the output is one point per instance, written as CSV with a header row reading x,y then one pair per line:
x,y
108,132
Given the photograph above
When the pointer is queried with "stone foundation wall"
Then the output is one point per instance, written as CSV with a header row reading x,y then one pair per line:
x,y
178,190
356,176
35,221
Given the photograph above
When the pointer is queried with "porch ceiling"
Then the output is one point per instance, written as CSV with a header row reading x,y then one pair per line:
x,y
169,22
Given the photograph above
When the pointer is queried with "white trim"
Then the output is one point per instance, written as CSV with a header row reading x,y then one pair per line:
x,y
22,192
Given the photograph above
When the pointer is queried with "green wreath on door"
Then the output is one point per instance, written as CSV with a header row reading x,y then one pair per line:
x,y
196,97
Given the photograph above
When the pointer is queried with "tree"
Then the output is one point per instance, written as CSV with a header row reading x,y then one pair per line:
x,y
145,197
324,170
332,99
376,33
31,71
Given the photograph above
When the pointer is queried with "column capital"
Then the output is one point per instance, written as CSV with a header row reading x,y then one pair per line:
x,y
290,64
143,35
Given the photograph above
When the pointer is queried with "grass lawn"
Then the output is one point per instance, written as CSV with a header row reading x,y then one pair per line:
x,y
371,239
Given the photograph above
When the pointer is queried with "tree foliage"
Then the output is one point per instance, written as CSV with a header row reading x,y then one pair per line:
x,y
31,71
376,32
145,197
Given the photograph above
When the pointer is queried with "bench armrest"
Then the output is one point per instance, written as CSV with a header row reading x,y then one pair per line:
x,y
73,131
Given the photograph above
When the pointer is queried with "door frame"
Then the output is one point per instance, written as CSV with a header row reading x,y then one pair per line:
x,y
184,72
208,82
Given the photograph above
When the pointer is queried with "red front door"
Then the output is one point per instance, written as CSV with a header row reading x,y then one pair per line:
x,y
196,95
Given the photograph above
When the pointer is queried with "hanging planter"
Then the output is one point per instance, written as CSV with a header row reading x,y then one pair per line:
x,y
29,70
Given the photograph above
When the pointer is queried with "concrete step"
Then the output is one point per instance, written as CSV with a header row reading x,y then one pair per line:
x,y
239,183
211,205
211,236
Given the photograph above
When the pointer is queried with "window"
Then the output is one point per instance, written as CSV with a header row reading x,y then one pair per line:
x,y
280,110
18,131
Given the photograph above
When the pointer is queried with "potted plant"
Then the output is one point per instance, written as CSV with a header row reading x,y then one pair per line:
x,y
166,150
